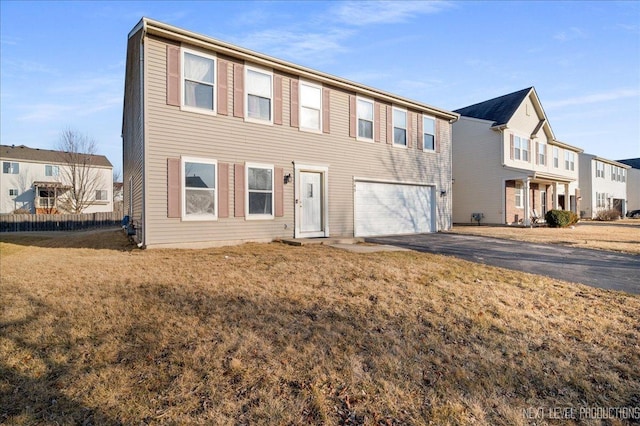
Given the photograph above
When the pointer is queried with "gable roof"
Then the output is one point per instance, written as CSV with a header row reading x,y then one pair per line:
x,y
22,152
499,110
633,162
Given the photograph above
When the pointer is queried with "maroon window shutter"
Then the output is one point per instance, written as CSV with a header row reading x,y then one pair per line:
x,y
377,118
389,125
238,90
546,154
537,153
294,103
511,145
352,117
436,137
278,195
173,75
239,190
420,138
277,99
530,151
174,188
409,129
223,92
326,111
223,190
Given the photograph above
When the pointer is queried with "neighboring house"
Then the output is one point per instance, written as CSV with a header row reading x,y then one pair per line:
x,y
223,145
633,183
36,181
118,197
508,167
603,186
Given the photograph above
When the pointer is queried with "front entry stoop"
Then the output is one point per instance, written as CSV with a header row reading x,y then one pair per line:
x,y
325,241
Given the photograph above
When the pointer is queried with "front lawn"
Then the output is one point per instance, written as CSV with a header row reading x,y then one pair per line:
x,y
94,331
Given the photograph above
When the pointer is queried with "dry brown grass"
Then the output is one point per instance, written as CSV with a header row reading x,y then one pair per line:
x,y
621,236
93,332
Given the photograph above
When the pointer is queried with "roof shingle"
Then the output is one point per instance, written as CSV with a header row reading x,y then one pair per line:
x,y
499,110
22,152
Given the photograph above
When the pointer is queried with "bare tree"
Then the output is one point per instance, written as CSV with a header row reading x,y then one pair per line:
x,y
78,171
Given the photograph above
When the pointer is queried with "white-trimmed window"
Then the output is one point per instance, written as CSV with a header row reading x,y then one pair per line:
x,y
599,169
10,168
519,193
399,127
520,148
623,175
13,192
601,200
310,106
259,191
428,133
259,90
542,153
51,170
199,189
365,113
569,160
198,80
556,157
101,195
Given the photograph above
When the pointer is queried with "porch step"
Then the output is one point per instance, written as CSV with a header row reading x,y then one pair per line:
x,y
326,241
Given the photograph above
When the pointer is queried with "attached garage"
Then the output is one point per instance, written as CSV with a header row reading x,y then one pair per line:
x,y
393,208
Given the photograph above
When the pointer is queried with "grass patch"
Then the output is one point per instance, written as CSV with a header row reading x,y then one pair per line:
x,y
620,236
93,331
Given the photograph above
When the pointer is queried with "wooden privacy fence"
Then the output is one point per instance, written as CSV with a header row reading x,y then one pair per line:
x,y
58,222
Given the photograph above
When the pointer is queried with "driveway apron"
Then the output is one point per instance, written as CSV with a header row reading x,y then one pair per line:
x,y
596,268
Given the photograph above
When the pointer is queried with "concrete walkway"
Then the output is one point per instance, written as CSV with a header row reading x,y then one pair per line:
x,y
595,268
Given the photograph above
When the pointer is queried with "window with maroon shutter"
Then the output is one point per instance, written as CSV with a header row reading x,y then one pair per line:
x,y
223,190
376,121
238,180
173,75
174,188
279,191
389,126
223,88
352,116
294,121
238,90
277,99
326,110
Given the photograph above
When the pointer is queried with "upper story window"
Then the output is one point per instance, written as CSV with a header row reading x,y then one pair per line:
x,y
618,174
198,76
365,119
10,168
399,127
556,157
520,148
259,191
542,153
428,133
101,195
599,169
569,160
199,189
259,89
623,175
50,170
310,106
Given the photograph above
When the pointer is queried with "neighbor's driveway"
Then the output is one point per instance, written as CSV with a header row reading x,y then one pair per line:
x,y
591,267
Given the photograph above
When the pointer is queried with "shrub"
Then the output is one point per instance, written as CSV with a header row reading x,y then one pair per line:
x,y
608,215
560,218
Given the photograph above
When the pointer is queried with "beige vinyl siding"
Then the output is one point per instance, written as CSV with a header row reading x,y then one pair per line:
x,y
477,171
133,133
172,133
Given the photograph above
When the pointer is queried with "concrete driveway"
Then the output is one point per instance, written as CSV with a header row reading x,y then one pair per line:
x,y
595,268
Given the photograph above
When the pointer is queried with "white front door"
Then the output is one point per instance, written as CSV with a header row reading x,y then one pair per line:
x,y
310,204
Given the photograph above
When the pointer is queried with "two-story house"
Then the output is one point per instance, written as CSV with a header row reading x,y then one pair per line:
x,y
223,145
633,183
37,180
603,185
508,167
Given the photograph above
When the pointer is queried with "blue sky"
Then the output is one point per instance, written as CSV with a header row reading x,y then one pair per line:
x,y
62,63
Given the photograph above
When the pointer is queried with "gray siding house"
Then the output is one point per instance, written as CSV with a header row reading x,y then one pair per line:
x,y
224,145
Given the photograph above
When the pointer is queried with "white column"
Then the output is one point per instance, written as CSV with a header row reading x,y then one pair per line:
x,y
555,196
527,213
567,204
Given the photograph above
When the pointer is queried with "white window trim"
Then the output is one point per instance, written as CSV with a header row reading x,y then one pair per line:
x,y
373,122
189,108
14,191
519,191
183,191
250,216
55,170
435,141
542,153
393,127
248,119
106,195
556,157
522,147
11,167
300,106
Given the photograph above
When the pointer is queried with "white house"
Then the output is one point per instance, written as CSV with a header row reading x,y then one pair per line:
x,y
37,181
633,183
603,185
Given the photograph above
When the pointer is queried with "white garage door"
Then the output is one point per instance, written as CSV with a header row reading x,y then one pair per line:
x,y
389,208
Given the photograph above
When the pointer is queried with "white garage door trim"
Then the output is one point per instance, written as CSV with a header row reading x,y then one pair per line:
x,y
393,208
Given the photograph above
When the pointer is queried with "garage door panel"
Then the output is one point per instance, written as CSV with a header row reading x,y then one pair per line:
x,y
387,209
